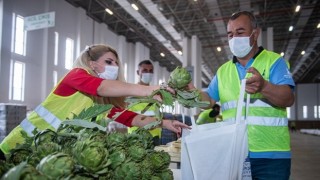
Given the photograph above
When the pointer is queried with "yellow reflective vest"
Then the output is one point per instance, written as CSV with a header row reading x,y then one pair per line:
x,y
49,114
150,112
267,125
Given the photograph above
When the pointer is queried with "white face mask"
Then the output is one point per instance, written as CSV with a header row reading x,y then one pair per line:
x,y
110,72
240,46
146,77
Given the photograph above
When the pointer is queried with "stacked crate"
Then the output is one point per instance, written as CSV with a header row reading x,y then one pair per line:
x,y
10,116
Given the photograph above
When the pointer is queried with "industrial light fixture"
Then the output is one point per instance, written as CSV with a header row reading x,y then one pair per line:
x,y
318,26
290,28
180,52
109,11
219,49
303,52
162,54
282,53
134,6
297,8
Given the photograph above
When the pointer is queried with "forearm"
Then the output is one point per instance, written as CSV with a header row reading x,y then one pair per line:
x,y
278,95
111,88
205,97
141,120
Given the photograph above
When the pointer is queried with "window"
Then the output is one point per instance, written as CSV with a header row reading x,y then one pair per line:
x,y
305,112
56,45
288,112
69,53
125,69
315,111
19,36
17,78
55,78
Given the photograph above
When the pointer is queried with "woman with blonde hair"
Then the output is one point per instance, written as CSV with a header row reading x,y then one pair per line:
x,y
96,78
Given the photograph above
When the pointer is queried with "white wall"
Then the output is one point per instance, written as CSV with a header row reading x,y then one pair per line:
x,y
70,22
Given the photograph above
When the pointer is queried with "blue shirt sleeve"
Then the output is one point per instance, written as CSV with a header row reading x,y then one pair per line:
x,y
280,74
212,90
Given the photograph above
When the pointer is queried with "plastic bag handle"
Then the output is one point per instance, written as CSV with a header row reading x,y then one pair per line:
x,y
240,101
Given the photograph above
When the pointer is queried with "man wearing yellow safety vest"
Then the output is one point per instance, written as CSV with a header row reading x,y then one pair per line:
x,y
211,115
145,73
271,87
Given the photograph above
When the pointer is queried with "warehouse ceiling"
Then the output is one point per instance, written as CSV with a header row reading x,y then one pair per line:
x,y
162,24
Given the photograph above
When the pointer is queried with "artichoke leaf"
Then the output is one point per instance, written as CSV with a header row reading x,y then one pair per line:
x,y
93,111
83,123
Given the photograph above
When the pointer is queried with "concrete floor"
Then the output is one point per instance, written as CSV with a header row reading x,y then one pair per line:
x,y
305,163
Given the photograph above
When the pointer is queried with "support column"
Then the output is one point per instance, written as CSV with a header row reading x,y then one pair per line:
x,y
266,39
123,53
156,73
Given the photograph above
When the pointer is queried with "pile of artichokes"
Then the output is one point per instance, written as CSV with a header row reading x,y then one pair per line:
x,y
76,152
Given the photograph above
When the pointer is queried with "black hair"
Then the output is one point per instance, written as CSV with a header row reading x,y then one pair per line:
x,y
145,62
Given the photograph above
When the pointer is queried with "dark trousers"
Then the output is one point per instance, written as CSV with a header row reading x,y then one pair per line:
x,y
270,169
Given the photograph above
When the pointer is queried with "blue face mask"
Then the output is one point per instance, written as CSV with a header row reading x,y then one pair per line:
x,y
240,46
146,77
110,72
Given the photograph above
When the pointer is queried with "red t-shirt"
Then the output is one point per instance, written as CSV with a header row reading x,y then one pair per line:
x,y
80,80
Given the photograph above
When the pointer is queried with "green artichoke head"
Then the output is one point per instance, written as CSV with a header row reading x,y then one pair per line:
x,y
24,171
45,136
92,156
179,78
129,170
57,165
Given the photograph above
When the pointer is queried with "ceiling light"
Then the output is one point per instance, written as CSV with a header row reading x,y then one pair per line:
x,y
303,52
318,26
290,28
109,11
134,6
180,52
282,53
162,54
218,49
298,8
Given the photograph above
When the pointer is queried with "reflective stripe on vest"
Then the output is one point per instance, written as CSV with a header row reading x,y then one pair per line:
x,y
267,121
44,114
253,102
27,126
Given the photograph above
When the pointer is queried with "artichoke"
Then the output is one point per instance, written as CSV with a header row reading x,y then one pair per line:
x,y
24,171
137,152
56,166
116,139
19,154
160,160
166,174
45,136
128,171
179,78
4,167
117,157
92,156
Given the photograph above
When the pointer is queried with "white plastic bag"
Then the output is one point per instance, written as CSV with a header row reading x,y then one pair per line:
x,y
217,150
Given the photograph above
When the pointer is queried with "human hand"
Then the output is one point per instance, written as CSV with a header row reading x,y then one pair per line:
x,y
191,86
175,126
255,83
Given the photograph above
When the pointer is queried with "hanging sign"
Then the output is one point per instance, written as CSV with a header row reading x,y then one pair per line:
x,y
39,21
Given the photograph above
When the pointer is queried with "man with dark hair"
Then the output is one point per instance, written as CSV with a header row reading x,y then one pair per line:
x,y
210,115
270,85
145,73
